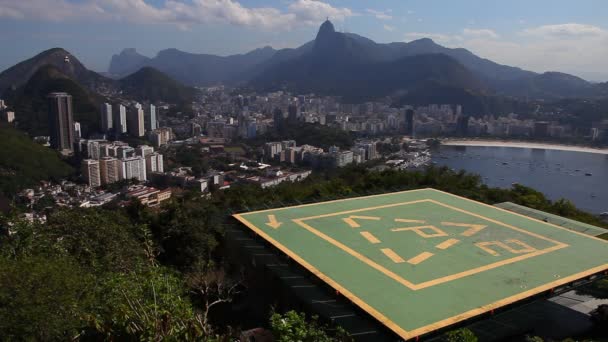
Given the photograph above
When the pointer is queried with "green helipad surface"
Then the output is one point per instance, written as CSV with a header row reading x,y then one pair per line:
x,y
424,259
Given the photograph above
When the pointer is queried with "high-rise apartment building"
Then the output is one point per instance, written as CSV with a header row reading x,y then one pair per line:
x,y
161,136
106,117
109,169
136,121
91,172
61,121
154,162
7,116
144,150
120,120
77,130
409,122
152,119
134,167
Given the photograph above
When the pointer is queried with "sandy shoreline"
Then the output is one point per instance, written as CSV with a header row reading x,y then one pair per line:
x,y
521,144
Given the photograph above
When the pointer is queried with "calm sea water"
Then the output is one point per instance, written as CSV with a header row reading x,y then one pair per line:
x,y
558,174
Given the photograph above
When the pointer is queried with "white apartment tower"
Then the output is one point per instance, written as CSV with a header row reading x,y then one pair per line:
x,y
91,172
154,162
106,117
134,167
120,120
152,122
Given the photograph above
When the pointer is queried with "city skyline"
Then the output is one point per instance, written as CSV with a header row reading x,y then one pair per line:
x,y
544,36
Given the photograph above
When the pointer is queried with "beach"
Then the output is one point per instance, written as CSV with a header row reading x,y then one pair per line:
x,y
523,144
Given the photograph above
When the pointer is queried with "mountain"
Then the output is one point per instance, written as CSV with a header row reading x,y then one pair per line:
x,y
353,67
549,85
17,172
153,85
332,52
332,46
30,104
62,60
128,61
193,69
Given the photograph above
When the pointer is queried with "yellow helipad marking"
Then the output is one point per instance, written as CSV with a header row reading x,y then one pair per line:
x,y
420,258
447,321
392,255
410,221
370,237
272,222
447,244
473,228
429,283
351,220
420,231
485,246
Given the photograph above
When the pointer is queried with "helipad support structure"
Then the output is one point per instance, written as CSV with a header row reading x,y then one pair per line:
x,y
423,260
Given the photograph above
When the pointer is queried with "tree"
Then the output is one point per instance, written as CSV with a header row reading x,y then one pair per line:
x,y
99,239
150,304
212,287
188,232
460,335
43,298
293,326
599,316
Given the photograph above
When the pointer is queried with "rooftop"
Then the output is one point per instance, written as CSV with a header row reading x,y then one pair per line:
x,y
422,260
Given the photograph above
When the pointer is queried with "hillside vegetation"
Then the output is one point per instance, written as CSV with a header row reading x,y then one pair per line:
x,y
17,171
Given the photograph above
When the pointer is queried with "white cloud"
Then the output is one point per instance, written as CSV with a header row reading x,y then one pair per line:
x,y
480,33
312,12
572,48
389,28
382,15
179,12
570,30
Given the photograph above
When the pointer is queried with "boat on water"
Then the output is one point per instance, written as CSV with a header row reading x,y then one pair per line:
x,y
588,174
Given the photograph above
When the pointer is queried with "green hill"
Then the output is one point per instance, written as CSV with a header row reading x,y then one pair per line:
x,y
152,85
30,103
24,163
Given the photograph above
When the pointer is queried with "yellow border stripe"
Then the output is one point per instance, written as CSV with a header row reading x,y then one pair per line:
x,y
443,323
362,304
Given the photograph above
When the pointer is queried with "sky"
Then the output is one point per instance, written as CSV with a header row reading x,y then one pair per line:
x,y
539,35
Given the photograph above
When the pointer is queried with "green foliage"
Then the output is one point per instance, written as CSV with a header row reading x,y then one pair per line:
x,y
309,134
42,298
149,305
91,272
17,172
293,326
149,84
96,238
460,335
188,231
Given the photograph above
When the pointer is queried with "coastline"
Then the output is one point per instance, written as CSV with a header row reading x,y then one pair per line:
x,y
522,144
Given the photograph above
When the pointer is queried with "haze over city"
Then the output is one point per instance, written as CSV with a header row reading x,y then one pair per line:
x,y
544,35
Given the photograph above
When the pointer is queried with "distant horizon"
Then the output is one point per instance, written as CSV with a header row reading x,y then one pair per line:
x,y
546,35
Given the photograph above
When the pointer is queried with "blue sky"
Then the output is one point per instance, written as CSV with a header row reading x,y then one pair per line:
x,y
539,35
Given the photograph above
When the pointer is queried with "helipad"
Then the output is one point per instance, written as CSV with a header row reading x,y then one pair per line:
x,y
422,260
